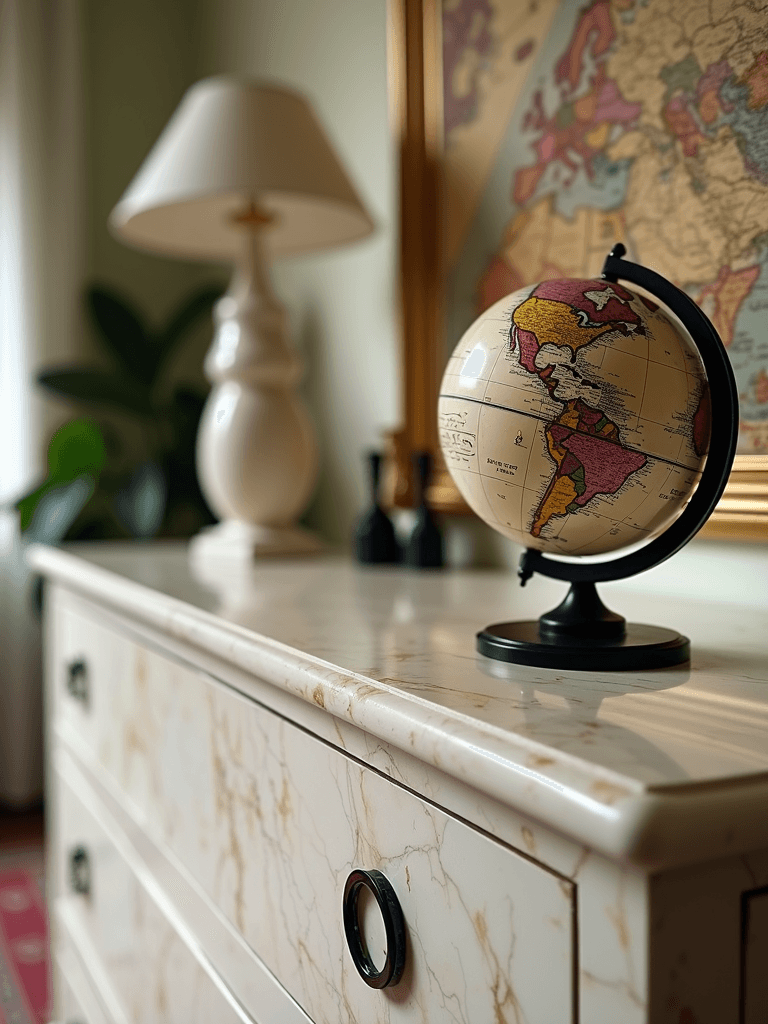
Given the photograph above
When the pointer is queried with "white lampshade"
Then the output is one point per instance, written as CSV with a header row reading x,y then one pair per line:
x,y
230,144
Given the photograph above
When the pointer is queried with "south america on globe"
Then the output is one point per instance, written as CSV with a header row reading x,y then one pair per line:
x,y
574,416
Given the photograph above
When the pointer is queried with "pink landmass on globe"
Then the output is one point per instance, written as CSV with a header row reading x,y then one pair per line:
x,y
574,292
590,458
529,347
607,465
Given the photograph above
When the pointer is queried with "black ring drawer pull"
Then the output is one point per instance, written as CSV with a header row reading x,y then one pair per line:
x,y
394,927
77,680
80,871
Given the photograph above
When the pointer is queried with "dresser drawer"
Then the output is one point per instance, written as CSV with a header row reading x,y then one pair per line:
x,y
86,671
145,971
272,821
77,1001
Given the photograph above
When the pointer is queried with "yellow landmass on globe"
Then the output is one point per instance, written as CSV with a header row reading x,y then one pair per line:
x,y
561,494
555,323
569,417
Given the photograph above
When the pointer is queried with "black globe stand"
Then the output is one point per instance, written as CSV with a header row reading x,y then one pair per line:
x,y
581,633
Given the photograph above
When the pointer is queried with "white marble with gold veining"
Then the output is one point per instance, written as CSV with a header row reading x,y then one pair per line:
x,y
151,975
270,821
566,846
656,768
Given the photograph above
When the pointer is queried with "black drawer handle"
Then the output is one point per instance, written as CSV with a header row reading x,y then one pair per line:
x,y
77,680
80,871
394,927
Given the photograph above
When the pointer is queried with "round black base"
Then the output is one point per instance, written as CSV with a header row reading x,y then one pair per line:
x,y
643,647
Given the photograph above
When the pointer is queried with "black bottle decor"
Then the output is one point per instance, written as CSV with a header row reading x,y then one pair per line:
x,y
425,545
375,540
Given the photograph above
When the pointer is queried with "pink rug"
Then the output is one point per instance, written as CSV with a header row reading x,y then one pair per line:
x,y
24,961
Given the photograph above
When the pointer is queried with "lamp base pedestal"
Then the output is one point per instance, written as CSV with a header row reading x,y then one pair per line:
x,y
256,451
235,541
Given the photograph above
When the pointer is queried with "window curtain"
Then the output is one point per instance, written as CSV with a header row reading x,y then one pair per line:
x,y
41,227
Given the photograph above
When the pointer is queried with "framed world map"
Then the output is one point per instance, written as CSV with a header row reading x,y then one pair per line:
x,y
550,129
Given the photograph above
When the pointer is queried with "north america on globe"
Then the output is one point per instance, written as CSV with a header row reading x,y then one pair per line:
x,y
574,417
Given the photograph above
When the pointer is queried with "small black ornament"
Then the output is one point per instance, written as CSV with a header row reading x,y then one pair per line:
x,y
425,546
375,540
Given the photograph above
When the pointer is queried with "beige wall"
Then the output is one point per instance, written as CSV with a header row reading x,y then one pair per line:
x,y
138,59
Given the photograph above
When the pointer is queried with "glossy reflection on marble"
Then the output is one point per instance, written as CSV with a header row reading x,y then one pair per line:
x,y
414,633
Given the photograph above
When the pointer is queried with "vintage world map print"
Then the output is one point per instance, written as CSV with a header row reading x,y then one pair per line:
x,y
569,126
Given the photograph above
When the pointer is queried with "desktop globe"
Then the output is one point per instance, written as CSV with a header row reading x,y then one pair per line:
x,y
574,417
579,418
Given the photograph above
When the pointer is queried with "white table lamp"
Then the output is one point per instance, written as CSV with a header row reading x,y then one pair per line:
x,y
244,173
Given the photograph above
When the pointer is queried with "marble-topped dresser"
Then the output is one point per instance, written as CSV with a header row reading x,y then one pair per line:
x,y
226,748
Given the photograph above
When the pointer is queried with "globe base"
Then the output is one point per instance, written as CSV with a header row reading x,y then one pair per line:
x,y
638,648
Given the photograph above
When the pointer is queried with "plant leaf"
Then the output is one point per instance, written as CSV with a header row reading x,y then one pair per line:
x,y
58,508
99,387
27,505
123,331
75,450
141,505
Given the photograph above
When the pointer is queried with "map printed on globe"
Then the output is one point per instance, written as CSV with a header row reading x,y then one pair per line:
x,y
574,417
570,125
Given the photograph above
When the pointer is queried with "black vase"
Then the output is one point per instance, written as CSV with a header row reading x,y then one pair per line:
x,y
375,540
425,545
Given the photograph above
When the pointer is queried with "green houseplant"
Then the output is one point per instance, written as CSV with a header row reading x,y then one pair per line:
x,y
127,468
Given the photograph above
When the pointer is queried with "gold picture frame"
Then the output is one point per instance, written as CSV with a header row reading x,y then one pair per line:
x,y
415,72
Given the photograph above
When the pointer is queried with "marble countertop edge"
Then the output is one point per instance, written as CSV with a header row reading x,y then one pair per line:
x,y
647,826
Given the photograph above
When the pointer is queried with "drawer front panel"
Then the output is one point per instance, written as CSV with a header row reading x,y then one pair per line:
x,y
76,998
150,974
271,821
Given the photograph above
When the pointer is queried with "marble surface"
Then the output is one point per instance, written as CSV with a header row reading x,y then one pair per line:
x,y
152,976
270,821
654,767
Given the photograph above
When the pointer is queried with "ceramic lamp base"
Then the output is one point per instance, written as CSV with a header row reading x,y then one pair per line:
x,y
235,541
256,450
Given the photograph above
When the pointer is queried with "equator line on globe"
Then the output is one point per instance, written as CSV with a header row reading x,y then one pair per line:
x,y
576,418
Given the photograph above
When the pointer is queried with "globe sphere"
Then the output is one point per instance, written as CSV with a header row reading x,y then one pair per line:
x,y
574,417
